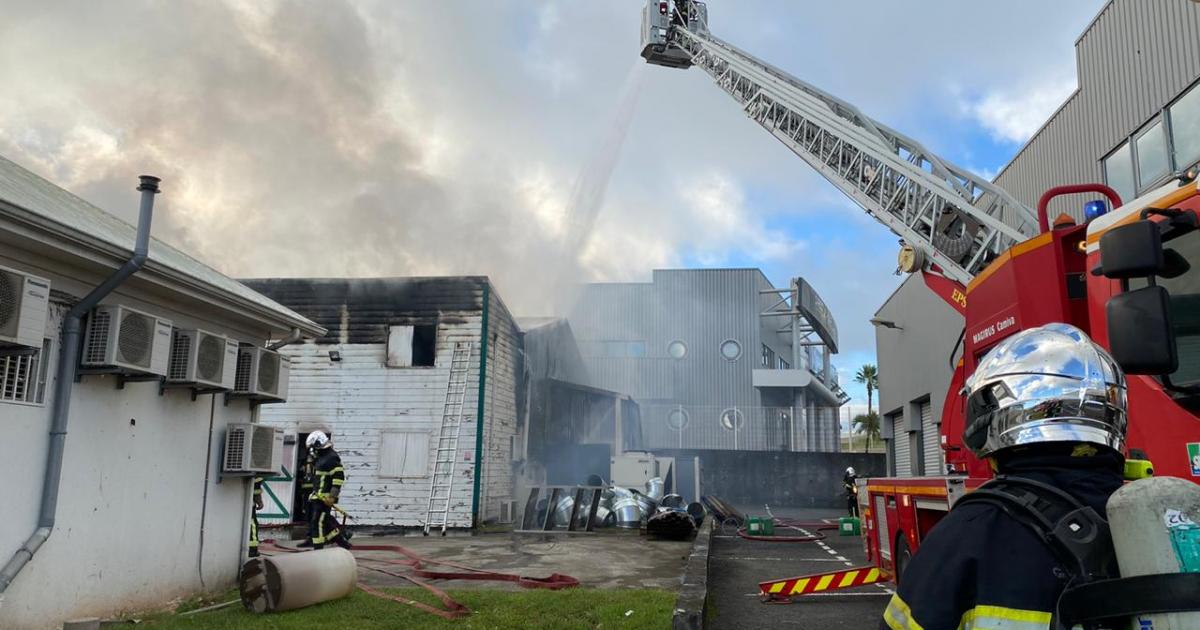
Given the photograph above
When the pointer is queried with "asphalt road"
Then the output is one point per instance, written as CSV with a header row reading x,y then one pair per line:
x,y
736,566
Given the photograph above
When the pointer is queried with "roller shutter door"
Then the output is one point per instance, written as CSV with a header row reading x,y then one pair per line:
x,y
935,463
903,448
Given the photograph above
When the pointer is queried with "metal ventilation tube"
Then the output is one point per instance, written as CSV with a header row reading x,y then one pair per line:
x,y
68,363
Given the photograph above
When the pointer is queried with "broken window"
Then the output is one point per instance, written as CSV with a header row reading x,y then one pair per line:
x,y
412,346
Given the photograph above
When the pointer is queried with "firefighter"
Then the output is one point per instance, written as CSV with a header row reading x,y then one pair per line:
x,y
1046,408
851,491
258,505
328,477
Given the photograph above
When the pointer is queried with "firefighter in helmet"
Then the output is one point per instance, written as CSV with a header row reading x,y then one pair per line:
x,y
851,490
1046,407
328,478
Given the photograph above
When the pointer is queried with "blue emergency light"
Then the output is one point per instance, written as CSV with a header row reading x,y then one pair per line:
x,y
1094,209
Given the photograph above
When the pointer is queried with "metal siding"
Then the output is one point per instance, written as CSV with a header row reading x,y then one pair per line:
x,y
1136,57
702,308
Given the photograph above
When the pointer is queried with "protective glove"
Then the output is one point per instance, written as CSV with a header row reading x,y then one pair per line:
x,y
258,503
329,500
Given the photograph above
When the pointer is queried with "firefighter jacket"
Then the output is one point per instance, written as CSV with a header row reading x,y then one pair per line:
x,y
849,486
981,568
327,474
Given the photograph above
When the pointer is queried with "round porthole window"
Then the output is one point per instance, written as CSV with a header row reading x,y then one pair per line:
x,y
677,349
731,349
732,419
677,419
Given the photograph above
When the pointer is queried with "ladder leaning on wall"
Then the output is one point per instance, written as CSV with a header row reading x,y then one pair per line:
x,y
446,456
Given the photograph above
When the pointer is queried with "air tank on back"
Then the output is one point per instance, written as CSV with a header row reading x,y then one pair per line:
x,y
1155,526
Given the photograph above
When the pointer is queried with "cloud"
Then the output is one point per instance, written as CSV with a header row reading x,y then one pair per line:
x,y
1015,114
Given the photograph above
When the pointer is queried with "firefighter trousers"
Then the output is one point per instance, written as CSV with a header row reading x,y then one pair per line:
x,y
322,526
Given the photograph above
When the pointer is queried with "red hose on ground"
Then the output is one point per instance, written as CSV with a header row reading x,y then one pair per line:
x,y
416,565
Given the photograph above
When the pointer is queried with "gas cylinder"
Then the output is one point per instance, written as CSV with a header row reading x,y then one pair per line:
x,y
1155,525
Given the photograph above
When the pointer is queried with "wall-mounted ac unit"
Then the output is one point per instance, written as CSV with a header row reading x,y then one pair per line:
x,y
131,341
262,374
202,358
252,448
24,301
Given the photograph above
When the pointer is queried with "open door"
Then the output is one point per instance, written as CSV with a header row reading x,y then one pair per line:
x,y
278,491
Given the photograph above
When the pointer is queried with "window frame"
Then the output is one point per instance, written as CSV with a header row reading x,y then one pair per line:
x,y
1158,121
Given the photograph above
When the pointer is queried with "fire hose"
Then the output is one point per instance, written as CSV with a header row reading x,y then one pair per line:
x,y
819,526
416,564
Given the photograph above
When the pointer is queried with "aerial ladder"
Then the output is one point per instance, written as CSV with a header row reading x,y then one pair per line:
x,y
952,222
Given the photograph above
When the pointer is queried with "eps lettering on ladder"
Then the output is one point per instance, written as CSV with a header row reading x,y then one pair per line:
x,y
1145,624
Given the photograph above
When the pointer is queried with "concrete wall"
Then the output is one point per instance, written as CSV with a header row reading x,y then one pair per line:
x,y
143,514
914,361
779,478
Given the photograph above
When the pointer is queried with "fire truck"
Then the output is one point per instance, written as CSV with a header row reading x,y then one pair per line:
x,y
1123,273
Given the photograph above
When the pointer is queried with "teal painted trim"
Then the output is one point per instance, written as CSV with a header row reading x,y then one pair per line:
x,y
480,404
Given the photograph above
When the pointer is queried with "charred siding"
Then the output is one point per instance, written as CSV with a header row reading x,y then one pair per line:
x,y
359,310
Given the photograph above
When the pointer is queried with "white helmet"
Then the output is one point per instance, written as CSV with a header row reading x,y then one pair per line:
x,y
850,471
317,439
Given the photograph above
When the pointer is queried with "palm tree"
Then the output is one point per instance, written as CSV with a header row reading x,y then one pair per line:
x,y
867,423
869,376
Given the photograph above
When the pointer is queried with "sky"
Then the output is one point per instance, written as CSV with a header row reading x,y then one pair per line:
x,y
334,138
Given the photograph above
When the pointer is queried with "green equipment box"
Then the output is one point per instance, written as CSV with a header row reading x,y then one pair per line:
x,y
760,526
849,526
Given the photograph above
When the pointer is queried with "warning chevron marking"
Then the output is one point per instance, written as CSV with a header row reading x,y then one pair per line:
x,y
821,582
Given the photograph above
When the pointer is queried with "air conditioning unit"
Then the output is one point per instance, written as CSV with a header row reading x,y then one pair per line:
x,y
252,448
262,374
202,358
24,302
128,340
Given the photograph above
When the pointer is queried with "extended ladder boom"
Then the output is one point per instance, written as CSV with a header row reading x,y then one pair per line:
x,y
957,221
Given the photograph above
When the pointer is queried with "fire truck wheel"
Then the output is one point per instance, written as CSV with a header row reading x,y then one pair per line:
x,y
903,557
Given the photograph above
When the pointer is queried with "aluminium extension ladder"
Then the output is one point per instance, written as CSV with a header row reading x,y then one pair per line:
x,y
446,455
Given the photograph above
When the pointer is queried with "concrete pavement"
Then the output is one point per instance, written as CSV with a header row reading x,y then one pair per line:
x,y
736,566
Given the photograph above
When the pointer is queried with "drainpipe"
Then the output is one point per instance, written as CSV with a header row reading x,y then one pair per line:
x,y
68,362
286,341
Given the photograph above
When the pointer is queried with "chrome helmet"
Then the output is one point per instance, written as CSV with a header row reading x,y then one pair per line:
x,y
1049,384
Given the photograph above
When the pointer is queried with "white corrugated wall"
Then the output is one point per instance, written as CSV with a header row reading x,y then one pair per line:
x,y
358,398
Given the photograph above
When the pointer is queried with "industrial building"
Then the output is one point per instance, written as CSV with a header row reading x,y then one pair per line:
x,y
406,361
1132,123
716,359
144,512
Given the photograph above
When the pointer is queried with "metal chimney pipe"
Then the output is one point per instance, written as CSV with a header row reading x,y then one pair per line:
x,y
68,363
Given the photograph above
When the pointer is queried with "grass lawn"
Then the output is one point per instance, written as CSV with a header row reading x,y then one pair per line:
x,y
570,608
